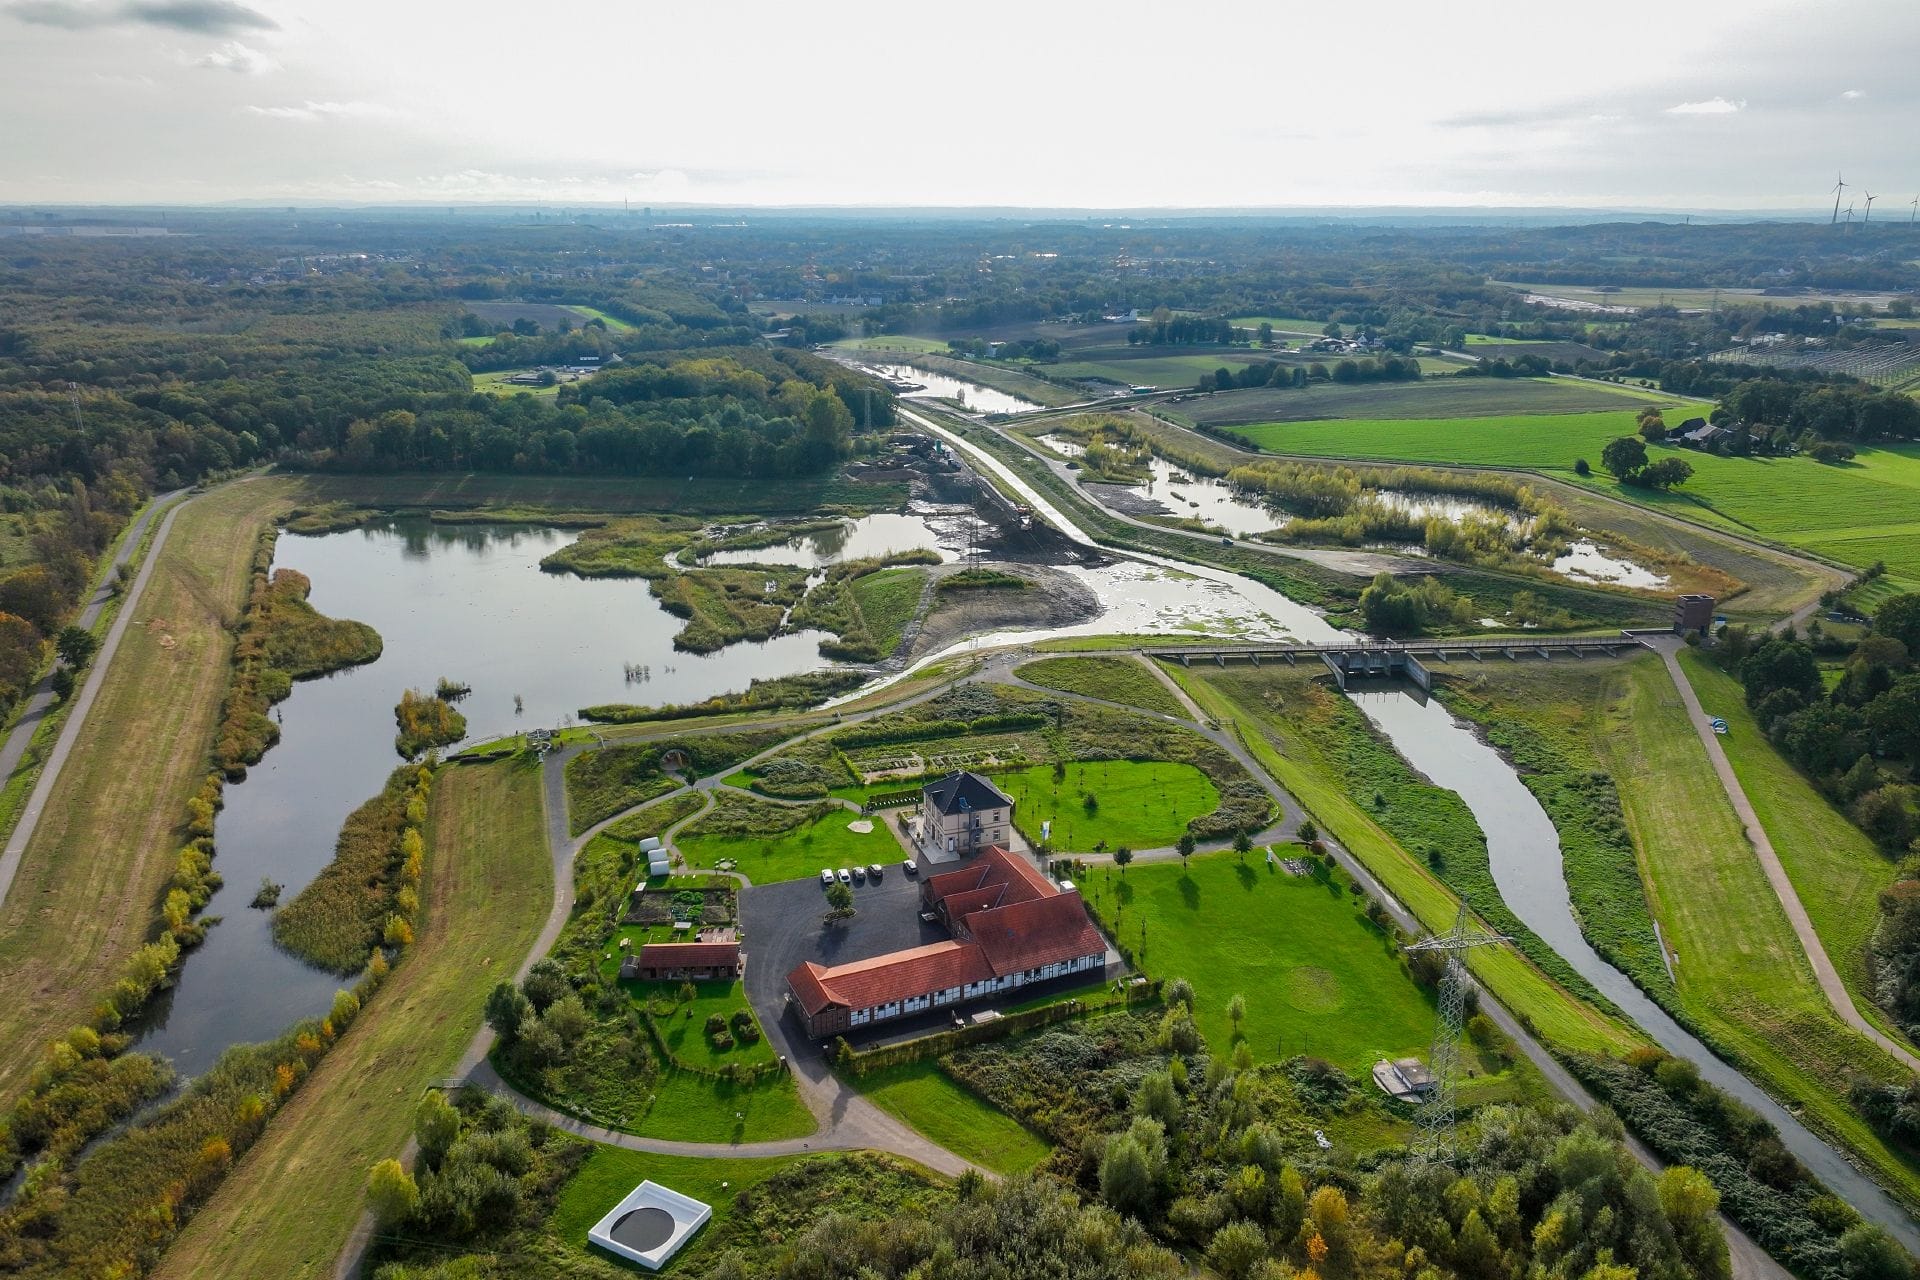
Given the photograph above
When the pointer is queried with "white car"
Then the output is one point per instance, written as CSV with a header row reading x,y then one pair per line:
x,y
846,876
874,871
859,875
826,876
909,867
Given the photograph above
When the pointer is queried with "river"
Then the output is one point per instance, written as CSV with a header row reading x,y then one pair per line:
x,y
1524,849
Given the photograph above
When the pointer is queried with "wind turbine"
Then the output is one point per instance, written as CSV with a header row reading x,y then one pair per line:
x,y
1839,185
1915,210
1870,199
1849,213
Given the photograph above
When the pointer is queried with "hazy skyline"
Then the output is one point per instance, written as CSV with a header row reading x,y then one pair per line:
x,y
1643,105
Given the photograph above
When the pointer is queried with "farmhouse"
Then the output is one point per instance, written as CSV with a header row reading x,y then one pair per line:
x,y
964,813
1703,436
1011,926
684,962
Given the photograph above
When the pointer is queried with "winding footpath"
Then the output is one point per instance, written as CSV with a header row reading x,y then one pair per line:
x,y
1823,969
14,750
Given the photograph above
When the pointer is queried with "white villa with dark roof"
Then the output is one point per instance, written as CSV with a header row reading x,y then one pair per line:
x,y
964,813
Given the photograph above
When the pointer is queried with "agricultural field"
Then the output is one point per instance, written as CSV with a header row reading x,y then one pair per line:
x,y
1167,367
1121,680
1796,501
924,1097
1143,804
286,1208
896,342
1290,325
1318,977
1464,398
747,834
1692,299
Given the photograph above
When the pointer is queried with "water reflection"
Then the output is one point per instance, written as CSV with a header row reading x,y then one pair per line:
x,y
883,534
939,386
464,601
1586,561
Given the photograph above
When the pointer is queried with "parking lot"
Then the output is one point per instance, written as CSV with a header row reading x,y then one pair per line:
x,y
784,926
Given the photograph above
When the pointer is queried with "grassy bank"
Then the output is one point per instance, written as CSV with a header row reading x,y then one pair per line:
x,y
1742,977
287,1208
1144,804
1835,869
94,872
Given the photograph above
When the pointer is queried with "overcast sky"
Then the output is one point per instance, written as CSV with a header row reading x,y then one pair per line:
x,y
1640,103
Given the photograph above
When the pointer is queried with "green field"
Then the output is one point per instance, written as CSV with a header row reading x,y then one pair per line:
x,y
896,342
1287,324
1742,978
1152,366
1143,804
496,384
1318,977
1836,870
888,601
797,854
1115,679
1830,510
923,1097
1423,401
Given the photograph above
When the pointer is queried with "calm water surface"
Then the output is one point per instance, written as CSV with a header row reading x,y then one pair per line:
x,y
468,602
939,386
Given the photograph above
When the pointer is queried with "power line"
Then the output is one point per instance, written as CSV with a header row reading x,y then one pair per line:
x,y
1436,1142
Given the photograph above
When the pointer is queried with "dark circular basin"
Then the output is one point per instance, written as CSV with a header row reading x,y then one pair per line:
x,y
643,1229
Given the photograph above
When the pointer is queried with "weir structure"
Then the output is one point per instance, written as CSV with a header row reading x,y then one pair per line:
x,y
1396,658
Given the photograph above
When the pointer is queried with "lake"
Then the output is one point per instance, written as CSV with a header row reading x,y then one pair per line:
x,y
465,601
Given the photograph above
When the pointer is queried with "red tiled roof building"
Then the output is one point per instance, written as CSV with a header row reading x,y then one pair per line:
x,y
1011,926
683,961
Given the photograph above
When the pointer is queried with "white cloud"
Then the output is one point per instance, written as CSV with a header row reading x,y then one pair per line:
x,y
1711,107
1854,95
311,112
238,58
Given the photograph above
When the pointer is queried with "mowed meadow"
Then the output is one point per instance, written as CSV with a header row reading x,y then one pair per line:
x,y
1857,513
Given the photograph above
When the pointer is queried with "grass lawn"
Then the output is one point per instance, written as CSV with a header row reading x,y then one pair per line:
x,y
1115,679
1143,804
692,1108
496,384
287,1208
1836,870
1318,977
1555,1015
1742,976
684,1029
797,854
888,601
84,897
923,1097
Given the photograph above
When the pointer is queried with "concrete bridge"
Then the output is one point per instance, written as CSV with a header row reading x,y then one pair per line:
x,y
1394,658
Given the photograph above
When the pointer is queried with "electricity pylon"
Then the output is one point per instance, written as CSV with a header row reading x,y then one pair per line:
x,y
1437,1114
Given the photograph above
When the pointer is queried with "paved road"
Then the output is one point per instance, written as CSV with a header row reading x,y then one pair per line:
x,y
1829,977
15,747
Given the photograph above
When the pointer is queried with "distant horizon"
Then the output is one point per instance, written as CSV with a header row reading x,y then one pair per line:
x,y
1748,106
